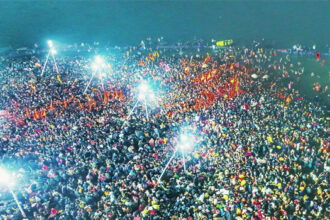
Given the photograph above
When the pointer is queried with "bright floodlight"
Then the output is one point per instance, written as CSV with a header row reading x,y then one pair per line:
x,y
50,43
98,63
5,178
53,51
99,60
143,87
186,141
95,66
144,90
184,138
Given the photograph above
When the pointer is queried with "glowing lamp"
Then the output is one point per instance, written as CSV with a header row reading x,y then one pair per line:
x,y
144,91
95,66
99,60
185,141
5,178
53,51
50,43
143,88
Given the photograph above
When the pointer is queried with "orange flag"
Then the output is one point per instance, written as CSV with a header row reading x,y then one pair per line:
x,y
115,94
121,96
287,99
91,104
51,106
65,104
71,98
88,97
27,112
207,59
231,68
106,97
209,76
36,114
80,105
203,78
141,63
33,88
236,85
43,113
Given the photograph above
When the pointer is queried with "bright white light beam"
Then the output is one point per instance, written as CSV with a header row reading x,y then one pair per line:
x,y
96,66
184,144
50,43
130,113
143,91
145,103
7,180
89,83
52,52
185,141
132,110
168,163
44,67
99,59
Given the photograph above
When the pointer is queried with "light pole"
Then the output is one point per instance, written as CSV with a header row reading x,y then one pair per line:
x,y
145,94
186,142
51,52
97,66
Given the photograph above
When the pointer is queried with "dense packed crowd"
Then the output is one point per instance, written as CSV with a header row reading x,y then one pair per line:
x,y
263,149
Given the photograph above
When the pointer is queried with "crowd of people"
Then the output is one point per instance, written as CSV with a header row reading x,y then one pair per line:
x,y
262,149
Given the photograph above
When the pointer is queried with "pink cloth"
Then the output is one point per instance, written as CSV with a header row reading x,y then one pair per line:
x,y
167,68
248,154
152,142
53,211
101,178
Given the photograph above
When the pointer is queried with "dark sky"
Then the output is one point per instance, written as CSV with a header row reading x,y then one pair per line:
x,y
24,22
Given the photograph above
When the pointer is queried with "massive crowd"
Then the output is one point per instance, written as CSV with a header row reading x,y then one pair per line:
x,y
263,149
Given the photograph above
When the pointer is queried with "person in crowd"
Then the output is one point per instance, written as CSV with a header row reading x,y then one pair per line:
x,y
263,149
